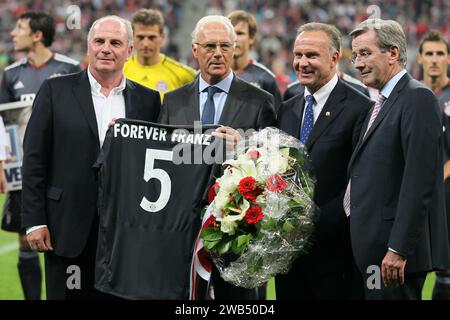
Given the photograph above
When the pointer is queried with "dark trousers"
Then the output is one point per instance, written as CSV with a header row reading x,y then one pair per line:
x,y
305,282
410,290
60,272
305,286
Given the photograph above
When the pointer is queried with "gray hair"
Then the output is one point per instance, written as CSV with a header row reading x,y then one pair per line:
x,y
210,19
389,34
332,32
125,23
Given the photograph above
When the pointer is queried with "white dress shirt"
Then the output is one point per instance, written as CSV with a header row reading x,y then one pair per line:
x,y
320,97
107,108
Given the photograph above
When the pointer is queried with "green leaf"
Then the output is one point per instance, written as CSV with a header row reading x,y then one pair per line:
x,y
269,224
240,244
210,244
294,153
211,234
243,240
287,226
224,247
237,198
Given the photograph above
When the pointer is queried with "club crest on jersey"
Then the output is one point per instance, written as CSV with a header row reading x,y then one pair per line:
x,y
447,108
162,86
18,85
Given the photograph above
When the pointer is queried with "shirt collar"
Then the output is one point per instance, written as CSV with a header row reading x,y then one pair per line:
x,y
96,87
323,93
224,85
390,85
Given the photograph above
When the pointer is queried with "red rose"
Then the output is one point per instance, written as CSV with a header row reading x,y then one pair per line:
x,y
254,154
246,185
251,196
212,192
275,183
253,215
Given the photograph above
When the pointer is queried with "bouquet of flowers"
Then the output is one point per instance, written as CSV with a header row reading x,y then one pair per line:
x,y
261,215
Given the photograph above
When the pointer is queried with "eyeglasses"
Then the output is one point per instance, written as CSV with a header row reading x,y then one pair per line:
x,y
362,55
211,46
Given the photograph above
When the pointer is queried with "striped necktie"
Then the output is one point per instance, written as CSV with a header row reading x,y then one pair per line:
x,y
373,116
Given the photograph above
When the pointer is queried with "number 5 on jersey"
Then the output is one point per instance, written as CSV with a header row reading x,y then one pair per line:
x,y
150,172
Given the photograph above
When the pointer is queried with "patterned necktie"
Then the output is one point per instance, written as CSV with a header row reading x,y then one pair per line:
x,y
209,109
375,112
308,119
373,116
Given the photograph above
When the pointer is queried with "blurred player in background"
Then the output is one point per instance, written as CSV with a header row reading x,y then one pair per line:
x,y
434,56
33,34
148,66
243,66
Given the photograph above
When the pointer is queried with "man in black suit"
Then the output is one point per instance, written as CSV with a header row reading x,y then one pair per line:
x,y
327,118
217,96
395,196
65,133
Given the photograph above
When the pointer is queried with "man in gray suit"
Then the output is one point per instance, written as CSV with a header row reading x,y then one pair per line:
x,y
395,196
218,97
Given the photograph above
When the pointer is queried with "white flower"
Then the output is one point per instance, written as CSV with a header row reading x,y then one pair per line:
x,y
228,226
227,219
248,169
230,180
221,200
277,163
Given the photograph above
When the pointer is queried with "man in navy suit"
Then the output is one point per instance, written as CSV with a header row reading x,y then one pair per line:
x,y
326,116
395,196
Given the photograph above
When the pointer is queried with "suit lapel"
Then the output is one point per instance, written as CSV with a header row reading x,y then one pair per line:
x,y
329,113
82,92
190,103
233,103
131,103
387,106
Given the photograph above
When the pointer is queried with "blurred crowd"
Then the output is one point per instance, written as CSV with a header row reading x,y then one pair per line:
x,y
278,21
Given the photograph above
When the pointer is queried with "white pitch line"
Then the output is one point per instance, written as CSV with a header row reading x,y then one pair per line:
x,y
8,248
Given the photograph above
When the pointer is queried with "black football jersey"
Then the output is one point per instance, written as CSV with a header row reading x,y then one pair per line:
x,y
21,81
261,77
153,179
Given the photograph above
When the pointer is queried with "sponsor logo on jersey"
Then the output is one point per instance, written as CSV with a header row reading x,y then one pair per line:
x,y
55,75
27,97
162,86
256,84
18,85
